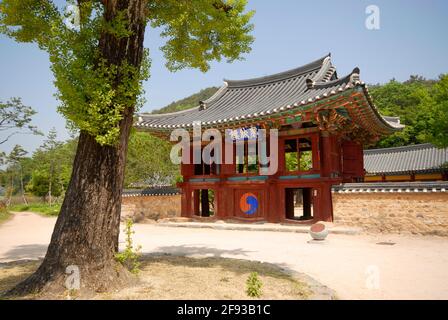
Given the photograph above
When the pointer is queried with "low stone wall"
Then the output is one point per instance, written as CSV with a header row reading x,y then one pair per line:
x,y
389,208
424,213
139,208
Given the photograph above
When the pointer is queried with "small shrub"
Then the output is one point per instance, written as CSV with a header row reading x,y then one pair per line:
x,y
253,285
130,256
4,214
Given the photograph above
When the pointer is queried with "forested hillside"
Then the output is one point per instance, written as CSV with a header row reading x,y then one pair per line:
x,y
422,106
188,102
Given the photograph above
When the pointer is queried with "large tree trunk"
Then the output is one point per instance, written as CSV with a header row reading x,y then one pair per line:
x,y
87,229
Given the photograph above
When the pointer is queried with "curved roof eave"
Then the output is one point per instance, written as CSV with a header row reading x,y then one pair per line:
x,y
392,122
312,83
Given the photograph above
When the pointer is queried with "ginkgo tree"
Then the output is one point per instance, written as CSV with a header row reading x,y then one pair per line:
x,y
99,64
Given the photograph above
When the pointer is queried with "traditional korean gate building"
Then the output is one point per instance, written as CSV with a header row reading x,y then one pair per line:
x,y
323,123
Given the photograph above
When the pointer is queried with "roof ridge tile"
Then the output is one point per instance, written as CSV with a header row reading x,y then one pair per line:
x,y
277,77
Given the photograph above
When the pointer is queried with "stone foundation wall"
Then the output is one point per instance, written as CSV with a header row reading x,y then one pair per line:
x,y
150,207
424,213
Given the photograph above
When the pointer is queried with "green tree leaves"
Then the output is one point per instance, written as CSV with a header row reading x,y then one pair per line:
x,y
51,167
17,154
14,170
39,184
148,161
201,31
437,107
95,93
29,20
16,118
420,105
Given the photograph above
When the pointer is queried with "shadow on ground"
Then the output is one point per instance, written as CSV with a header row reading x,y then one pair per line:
x,y
203,256
176,276
200,250
228,260
11,273
26,251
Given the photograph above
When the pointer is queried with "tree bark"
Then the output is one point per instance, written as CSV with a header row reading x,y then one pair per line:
x,y
87,228
22,189
11,190
49,182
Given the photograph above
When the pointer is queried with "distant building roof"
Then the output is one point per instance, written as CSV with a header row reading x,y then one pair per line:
x,y
264,98
406,187
418,158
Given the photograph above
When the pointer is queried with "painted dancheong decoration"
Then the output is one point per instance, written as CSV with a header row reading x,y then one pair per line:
x,y
322,123
242,134
249,203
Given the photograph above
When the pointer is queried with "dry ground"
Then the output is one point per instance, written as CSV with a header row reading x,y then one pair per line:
x,y
413,268
174,277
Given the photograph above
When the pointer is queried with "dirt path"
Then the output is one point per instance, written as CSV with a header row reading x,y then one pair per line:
x,y
355,266
25,236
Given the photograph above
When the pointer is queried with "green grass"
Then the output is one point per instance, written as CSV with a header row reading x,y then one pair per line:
x,y
43,208
4,215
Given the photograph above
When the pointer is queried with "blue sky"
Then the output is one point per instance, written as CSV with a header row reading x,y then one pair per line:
x,y
412,39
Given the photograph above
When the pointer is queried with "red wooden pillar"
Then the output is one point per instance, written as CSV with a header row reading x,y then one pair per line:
x,y
226,193
325,203
276,205
185,203
322,196
281,157
220,202
228,202
325,154
275,209
186,169
289,204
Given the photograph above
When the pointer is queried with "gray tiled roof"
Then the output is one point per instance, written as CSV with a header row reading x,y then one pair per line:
x,y
406,186
240,100
415,159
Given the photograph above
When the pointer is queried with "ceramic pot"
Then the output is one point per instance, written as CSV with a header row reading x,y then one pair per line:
x,y
319,231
